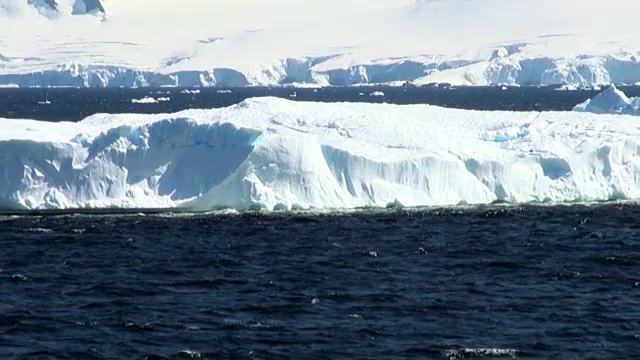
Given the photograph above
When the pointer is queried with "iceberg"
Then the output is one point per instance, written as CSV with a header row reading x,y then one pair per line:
x,y
99,43
149,100
610,101
272,153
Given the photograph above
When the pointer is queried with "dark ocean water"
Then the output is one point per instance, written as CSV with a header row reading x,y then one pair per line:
x,y
76,104
495,282
534,282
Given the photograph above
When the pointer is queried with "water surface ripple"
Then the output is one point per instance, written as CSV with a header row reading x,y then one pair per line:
x,y
533,282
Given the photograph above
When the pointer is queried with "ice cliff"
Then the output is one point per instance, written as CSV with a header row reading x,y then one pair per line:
x,y
277,154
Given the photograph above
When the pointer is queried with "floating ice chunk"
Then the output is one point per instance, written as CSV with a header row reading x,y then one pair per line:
x,y
610,101
150,100
144,100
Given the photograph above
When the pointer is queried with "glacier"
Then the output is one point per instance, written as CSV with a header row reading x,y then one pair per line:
x,y
610,101
98,43
276,154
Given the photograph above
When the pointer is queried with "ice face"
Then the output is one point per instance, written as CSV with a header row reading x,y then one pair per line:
x,y
274,153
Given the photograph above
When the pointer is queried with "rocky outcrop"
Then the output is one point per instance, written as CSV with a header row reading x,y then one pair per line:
x,y
82,7
78,7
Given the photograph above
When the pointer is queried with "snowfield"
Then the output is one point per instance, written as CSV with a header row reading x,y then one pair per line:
x,y
329,42
278,154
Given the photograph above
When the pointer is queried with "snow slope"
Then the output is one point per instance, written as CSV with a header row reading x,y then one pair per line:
x,y
275,154
610,101
326,42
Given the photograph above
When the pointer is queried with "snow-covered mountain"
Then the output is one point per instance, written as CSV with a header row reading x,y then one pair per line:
x,y
325,42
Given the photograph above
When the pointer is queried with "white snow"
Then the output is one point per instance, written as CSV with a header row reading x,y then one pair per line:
x,y
610,101
276,154
321,42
